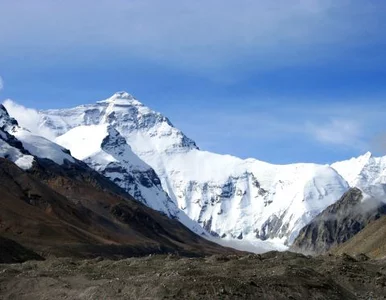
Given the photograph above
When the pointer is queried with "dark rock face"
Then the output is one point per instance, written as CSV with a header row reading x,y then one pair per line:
x,y
338,223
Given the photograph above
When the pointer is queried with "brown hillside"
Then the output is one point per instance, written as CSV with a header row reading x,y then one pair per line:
x,y
74,211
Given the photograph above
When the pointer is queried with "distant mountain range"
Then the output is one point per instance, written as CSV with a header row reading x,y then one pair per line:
x,y
148,158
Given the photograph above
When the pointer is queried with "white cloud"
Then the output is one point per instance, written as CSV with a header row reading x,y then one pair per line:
x,y
338,132
27,118
196,34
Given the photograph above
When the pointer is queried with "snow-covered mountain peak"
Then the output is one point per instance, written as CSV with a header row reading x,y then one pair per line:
x,y
122,98
143,128
122,95
363,170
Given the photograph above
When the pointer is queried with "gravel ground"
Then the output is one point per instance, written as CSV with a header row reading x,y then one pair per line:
x,y
272,275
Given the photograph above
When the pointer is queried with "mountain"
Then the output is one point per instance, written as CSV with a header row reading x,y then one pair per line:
x,y
107,152
229,197
340,222
57,205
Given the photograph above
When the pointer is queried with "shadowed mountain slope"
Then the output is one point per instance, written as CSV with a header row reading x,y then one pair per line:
x,y
72,210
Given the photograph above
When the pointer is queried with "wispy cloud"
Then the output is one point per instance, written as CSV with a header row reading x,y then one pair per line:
x,y
27,118
200,35
324,126
338,132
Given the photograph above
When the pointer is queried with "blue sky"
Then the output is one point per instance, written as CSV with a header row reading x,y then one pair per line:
x,y
281,81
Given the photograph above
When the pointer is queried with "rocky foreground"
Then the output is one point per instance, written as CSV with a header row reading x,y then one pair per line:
x,y
269,276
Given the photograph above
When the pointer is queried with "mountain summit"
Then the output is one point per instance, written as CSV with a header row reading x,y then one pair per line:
x,y
122,98
122,95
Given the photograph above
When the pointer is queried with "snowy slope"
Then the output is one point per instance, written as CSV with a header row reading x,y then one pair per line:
x,y
106,151
231,198
41,147
251,198
102,148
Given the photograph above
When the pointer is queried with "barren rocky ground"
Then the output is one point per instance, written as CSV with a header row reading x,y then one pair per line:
x,y
268,276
